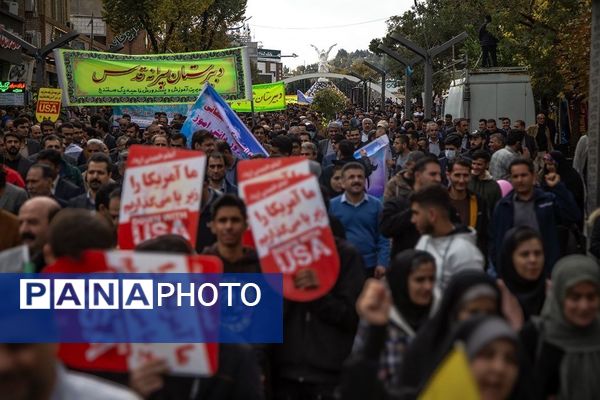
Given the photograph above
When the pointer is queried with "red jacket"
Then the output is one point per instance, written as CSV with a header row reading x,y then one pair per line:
x,y
14,177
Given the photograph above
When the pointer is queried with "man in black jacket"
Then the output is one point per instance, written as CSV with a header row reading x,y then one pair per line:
x,y
318,335
488,44
13,144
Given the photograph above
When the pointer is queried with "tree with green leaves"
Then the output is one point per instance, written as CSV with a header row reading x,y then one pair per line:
x,y
549,37
177,25
329,101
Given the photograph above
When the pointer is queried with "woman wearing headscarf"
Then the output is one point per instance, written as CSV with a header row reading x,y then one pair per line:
x,y
492,349
469,293
411,282
565,342
522,268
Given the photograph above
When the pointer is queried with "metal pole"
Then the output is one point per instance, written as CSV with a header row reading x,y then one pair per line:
x,y
365,106
593,199
428,89
407,96
382,91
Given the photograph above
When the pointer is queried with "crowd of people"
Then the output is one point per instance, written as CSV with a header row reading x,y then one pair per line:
x,y
478,239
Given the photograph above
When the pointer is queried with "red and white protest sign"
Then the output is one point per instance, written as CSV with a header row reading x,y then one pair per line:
x,y
198,359
270,169
291,230
161,194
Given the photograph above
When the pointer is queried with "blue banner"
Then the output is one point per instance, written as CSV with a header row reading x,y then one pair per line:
x,y
378,152
141,308
210,112
302,98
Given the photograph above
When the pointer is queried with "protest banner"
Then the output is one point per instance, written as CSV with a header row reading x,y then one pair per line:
x,y
210,112
291,99
269,169
378,152
266,97
48,104
144,115
183,358
95,78
291,229
265,169
161,194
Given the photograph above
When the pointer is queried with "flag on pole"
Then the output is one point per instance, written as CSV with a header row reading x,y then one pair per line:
x,y
452,380
210,112
303,99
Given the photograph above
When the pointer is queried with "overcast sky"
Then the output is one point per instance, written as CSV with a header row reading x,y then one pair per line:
x,y
323,23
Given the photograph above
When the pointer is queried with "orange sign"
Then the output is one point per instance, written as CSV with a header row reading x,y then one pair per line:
x,y
48,104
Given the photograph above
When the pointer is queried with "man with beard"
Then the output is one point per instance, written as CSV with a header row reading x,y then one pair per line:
x,y
97,174
215,170
452,246
34,220
30,146
471,209
359,213
13,144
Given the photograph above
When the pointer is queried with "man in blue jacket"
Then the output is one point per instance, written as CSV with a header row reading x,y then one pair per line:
x,y
360,212
528,205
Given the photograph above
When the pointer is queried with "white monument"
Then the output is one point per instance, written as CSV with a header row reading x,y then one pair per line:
x,y
323,56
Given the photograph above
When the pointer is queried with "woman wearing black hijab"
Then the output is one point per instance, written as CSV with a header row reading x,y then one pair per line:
x,y
522,268
411,283
469,293
495,359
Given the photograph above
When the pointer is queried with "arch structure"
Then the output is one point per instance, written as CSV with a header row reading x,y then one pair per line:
x,y
374,86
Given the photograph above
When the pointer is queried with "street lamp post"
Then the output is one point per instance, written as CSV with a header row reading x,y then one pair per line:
x,y
381,72
409,64
428,55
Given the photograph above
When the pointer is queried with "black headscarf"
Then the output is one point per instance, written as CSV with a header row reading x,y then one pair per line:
x,y
427,349
531,294
402,266
476,333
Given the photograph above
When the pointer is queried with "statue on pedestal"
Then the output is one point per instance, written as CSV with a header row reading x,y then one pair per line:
x,y
323,55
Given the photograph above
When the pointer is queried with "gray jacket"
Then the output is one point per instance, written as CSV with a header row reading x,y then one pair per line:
x,y
12,198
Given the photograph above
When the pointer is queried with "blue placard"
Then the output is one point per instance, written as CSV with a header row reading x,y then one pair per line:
x,y
141,308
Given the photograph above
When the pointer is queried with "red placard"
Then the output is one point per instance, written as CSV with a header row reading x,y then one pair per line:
x,y
199,359
291,230
161,194
268,169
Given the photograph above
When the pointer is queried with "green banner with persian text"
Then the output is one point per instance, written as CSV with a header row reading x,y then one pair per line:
x,y
95,78
267,97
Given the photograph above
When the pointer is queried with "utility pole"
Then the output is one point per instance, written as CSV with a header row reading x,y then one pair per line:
x,y
593,149
380,71
39,54
428,55
409,65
